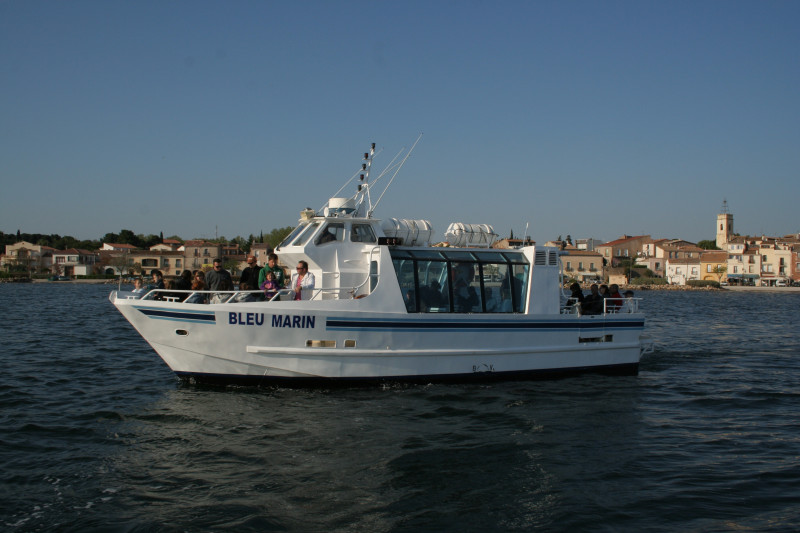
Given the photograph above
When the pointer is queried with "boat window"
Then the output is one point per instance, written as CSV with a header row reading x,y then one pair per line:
x,y
292,235
515,258
334,231
459,256
405,278
436,285
426,254
432,287
466,288
362,233
301,240
520,286
497,294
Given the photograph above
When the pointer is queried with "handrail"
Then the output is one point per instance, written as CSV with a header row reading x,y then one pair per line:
x,y
625,305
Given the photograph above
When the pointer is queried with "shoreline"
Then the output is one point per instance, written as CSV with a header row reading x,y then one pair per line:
x,y
732,288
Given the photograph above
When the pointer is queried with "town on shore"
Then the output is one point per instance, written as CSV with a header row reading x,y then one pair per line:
x,y
730,260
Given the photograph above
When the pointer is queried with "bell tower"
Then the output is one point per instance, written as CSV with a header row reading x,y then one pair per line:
x,y
724,226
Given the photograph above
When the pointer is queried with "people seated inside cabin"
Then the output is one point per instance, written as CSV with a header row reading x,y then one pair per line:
x,y
198,297
576,298
614,299
506,304
244,296
221,297
629,304
326,236
432,297
269,286
593,302
465,297
302,282
411,301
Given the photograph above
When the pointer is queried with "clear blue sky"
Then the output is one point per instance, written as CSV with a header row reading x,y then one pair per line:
x,y
591,119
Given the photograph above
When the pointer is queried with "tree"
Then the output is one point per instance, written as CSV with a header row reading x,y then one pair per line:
x,y
708,245
276,236
719,271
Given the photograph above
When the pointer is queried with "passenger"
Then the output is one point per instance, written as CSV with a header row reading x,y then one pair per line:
x,y
464,295
593,303
245,296
138,288
629,305
272,266
222,297
411,301
326,236
303,282
158,280
198,285
184,281
614,298
216,276
250,274
270,286
576,298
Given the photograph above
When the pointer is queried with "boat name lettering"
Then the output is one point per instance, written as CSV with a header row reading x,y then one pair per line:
x,y
293,321
246,319
483,367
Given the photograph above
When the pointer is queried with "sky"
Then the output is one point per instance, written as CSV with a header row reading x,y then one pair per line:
x,y
582,118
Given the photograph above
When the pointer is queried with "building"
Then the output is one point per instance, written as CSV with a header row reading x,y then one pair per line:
x,y
200,254
724,226
582,265
626,247
680,271
28,257
714,265
74,262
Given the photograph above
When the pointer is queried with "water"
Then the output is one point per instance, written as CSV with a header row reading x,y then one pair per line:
x,y
97,434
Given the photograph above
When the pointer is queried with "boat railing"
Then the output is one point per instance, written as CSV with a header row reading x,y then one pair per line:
x,y
236,296
610,306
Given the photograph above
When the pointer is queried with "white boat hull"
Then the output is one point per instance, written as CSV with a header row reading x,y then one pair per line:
x,y
263,342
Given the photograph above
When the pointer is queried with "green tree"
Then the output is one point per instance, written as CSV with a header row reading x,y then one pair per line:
x,y
708,245
276,236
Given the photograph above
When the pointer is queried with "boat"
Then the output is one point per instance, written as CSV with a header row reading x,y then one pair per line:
x,y
389,305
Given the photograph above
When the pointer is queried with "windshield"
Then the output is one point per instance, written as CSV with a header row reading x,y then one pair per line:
x,y
292,235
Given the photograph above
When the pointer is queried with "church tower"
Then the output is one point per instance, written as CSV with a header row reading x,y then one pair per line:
x,y
724,226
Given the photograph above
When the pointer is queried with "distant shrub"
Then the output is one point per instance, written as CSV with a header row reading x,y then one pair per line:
x,y
702,283
648,281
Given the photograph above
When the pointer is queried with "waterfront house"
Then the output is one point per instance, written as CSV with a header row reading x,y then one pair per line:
x,y
626,247
582,265
681,270
74,262
714,265
200,254
28,257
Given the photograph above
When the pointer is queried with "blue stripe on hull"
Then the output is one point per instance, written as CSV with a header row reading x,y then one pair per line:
x,y
200,317
480,325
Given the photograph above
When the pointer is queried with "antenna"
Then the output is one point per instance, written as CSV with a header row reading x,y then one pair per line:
x,y
399,166
724,206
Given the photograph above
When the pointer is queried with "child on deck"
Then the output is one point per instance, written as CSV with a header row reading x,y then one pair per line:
x,y
270,286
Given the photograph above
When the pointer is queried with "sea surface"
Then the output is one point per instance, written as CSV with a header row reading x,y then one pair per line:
x,y
96,434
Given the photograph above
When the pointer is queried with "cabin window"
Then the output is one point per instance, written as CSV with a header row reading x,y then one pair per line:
x,y
362,233
291,236
331,233
306,234
461,282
